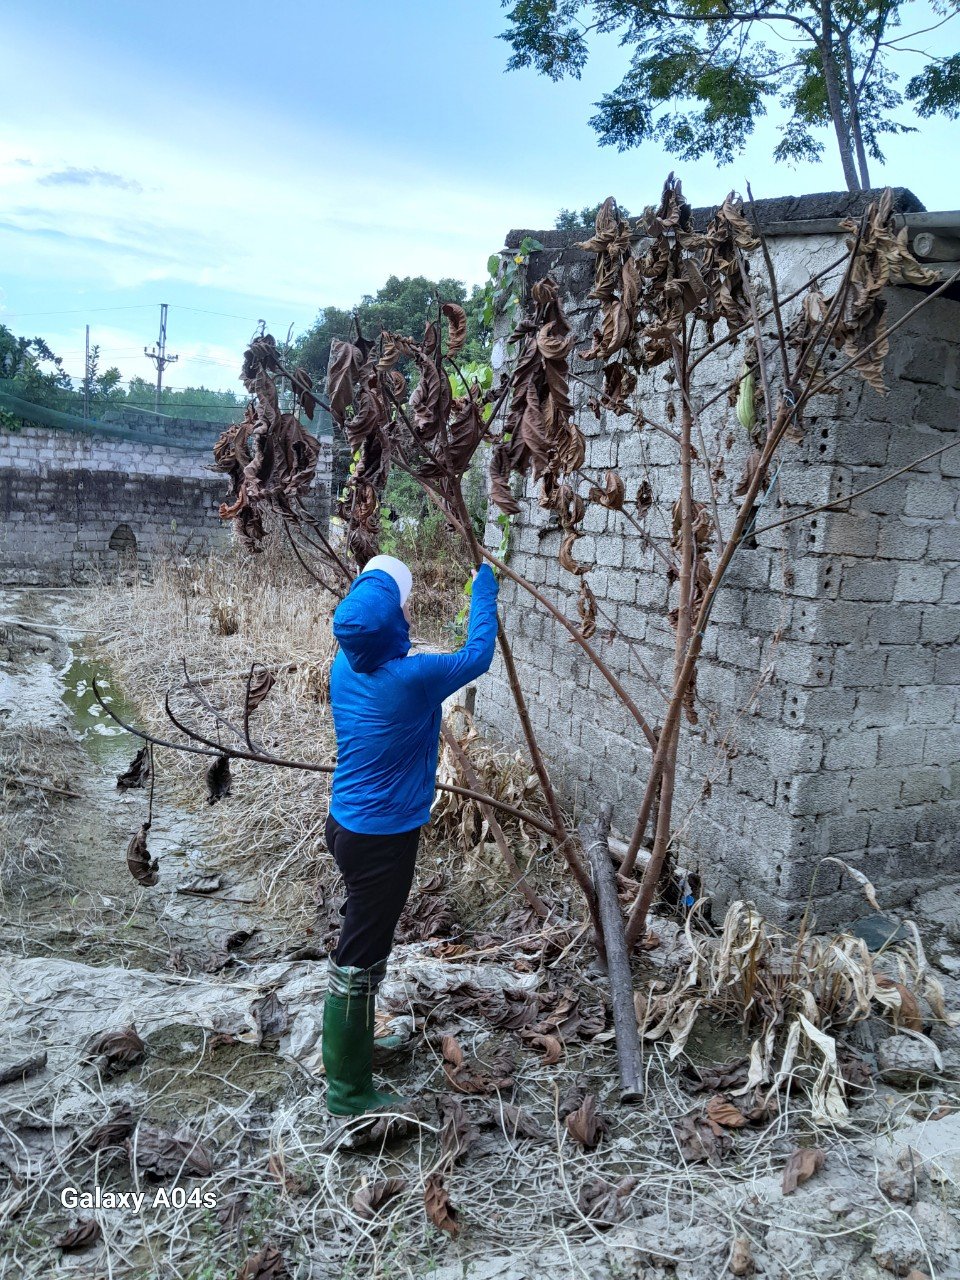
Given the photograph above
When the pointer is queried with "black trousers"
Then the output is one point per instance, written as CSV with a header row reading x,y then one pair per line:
x,y
378,873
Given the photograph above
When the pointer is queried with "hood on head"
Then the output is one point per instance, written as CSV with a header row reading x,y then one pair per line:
x,y
369,624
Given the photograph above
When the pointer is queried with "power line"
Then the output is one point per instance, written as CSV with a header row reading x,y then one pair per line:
x,y
82,311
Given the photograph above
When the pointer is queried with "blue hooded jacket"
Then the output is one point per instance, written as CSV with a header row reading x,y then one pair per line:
x,y
387,707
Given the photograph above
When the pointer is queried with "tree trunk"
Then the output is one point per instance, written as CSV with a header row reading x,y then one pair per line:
x,y
831,80
596,847
856,129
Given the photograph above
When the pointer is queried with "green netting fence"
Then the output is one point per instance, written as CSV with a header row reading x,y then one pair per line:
x,y
41,415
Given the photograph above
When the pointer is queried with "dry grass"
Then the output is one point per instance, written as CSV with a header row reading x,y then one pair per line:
x,y
38,772
231,610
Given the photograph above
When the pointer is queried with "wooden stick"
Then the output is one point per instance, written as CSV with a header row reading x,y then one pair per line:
x,y
594,835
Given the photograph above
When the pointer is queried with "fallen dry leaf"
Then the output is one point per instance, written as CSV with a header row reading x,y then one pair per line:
x,y
163,1154
722,1111
603,1202
584,1125
801,1166
374,1195
82,1236
120,1048
436,1202
265,1265
741,1257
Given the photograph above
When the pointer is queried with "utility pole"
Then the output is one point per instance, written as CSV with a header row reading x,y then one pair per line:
x,y
86,378
159,355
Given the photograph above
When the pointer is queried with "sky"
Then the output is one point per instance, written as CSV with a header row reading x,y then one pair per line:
x,y
245,162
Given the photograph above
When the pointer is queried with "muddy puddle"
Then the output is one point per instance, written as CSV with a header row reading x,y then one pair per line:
x,y
67,890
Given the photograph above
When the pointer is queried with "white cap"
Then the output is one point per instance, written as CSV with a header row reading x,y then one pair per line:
x,y
394,569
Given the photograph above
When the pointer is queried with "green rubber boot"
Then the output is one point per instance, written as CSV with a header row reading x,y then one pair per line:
x,y
348,1026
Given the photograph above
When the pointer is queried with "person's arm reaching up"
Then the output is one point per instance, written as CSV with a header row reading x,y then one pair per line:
x,y
444,673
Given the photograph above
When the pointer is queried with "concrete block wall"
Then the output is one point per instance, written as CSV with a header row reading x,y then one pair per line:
x,y
829,690
72,504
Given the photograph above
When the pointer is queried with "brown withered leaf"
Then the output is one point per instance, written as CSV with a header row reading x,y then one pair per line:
x,y
566,556
909,1012
270,1014
605,1203
160,1153
292,1183
372,1130
741,1257
82,1236
551,1045
613,495
342,369
572,1100
644,498
514,1121
260,685
266,1264
425,916
231,1210
721,1111
111,1132
219,781
748,475
436,1202
304,388
801,1166
457,1130
457,335
698,1141
144,868
585,1125
120,1047
137,772
375,1195
587,609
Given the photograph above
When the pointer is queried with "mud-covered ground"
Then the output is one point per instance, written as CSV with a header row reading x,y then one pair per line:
x,y
211,1110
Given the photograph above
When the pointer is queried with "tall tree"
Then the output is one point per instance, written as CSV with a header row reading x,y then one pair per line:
x,y
703,71
401,305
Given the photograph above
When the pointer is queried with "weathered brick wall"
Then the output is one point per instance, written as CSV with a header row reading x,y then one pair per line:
x,y
70,502
829,689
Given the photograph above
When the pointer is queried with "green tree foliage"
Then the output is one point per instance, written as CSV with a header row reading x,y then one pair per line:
x,y
401,305
571,220
702,72
31,370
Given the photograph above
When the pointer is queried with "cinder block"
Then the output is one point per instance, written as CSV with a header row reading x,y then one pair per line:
x,y
931,499
868,581
901,746
859,667
894,623
852,750
948,667
815,793
930,706
923,785
850,534
901,541
942,747
908,664
944,539
847,835
875,788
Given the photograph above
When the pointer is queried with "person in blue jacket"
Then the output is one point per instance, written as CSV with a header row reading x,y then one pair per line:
x,y
387,707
